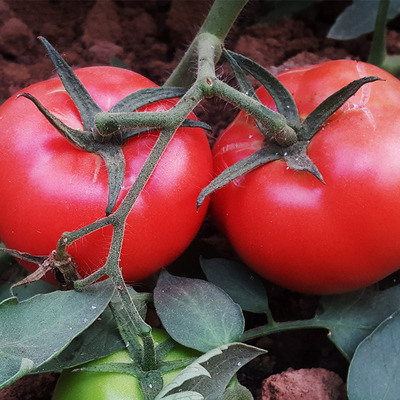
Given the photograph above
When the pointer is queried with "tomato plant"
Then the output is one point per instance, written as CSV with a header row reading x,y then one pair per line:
x,y
321,218
50,186
298,232
114,385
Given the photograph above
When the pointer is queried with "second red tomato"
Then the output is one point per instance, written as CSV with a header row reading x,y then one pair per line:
x,y
291,228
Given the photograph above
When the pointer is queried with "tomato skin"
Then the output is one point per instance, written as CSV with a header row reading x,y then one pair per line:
x,y
113,385
292,229
49,186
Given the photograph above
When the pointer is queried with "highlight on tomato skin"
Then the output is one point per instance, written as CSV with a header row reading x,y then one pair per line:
x,y
292,229
49,186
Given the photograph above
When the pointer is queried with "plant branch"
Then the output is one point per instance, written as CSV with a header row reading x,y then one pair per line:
x,y
129,321
207,46
377,53
276,327
218,23
274,123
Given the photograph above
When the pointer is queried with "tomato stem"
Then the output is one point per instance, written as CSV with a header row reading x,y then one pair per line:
x,y
273,122
277,327
378,52
206,85
207,46
218,23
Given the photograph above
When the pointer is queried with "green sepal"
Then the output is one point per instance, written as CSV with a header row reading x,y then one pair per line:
x,y
297,159
193,123
260,157
115,163
146,96
295,155
78,138
314,121
89,139
284,101
167,366
244,84
151,383
163,348
86,106
120,368
111,154
118,63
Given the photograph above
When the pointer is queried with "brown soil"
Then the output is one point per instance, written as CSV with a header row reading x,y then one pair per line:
x,y
304,384
150,36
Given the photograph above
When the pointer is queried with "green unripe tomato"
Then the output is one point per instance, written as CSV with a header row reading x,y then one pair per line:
x,y
113,385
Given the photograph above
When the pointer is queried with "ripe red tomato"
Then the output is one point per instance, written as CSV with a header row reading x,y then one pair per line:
x,y
298,232
48,186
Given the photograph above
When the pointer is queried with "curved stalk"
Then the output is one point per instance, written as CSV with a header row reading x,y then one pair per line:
x,y
276,327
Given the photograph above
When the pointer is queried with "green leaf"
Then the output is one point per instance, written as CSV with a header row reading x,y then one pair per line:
x,y
210,374
359,18
197,313
99,340
116,62
35,330
352,317
375,369
242,284
237,392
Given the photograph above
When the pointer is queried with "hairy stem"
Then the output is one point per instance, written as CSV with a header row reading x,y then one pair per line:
x,y
218,23
377,53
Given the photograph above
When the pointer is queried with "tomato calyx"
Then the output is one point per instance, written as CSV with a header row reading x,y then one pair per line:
x,y
132,369
64,268
295,155
107,143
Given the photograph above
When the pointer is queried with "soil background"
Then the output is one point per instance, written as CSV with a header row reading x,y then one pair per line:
x,y
150,37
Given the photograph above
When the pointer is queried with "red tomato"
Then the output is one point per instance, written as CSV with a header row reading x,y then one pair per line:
x,y
298,232
49,186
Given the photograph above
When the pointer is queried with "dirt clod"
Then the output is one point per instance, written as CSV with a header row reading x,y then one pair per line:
x,y
304,384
